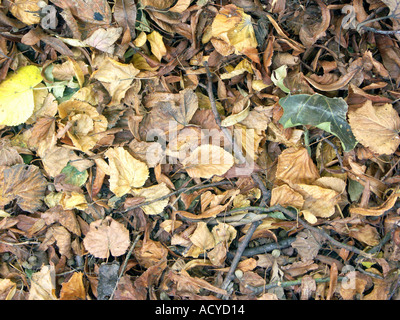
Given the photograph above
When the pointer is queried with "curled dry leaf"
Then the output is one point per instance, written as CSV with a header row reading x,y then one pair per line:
x,y
85,125
208,160
105,237
43,284
376,127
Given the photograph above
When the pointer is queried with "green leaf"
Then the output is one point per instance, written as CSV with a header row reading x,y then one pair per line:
x,y
74,176
328,114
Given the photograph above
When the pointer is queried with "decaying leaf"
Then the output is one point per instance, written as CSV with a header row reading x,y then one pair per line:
x,y
152,193
296,166
85,124
376,127
25,183
107,237
208,160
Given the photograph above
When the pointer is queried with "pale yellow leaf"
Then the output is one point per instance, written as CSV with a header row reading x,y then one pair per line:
x,y
125,171
208,160
152,193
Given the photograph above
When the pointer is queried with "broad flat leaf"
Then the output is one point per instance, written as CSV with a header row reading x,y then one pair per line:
x,y
157,44
104,39
16,95
376,127
74,176
125,15
286,196
105,237
202,237
26,11
125,171
25,183
208,160
296,166
116,77
94,11
328,114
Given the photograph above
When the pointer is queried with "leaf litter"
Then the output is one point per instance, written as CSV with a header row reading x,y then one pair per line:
x,y
175,150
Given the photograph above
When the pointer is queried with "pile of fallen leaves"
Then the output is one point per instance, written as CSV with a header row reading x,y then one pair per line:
x,y
178,149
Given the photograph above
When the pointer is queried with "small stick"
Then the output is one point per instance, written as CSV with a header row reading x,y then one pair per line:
x,y
182,190
325,235
229,277
128,255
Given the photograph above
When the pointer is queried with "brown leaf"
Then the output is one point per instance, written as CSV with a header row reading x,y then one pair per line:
x,y
25,183
150,253
95,11
105,237
208,160
125,14
376,127
296,166
310,33
73,289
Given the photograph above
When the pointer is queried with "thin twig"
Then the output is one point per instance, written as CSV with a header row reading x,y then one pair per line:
x,y
230,275
179,191
128,255
268,247
323,234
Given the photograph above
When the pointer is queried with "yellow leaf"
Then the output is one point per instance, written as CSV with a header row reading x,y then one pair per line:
x,y
157,45
125,171
232,23
151,193
235,118
140,40
208,160
318,201
243,66
202,237
73,200
74,288
286,196
16,95
43,284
